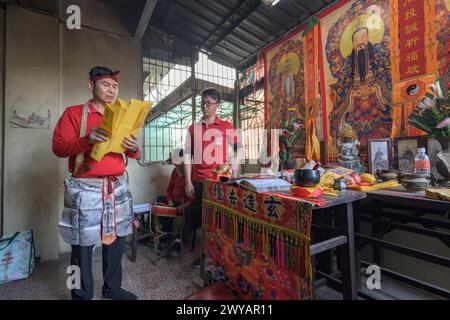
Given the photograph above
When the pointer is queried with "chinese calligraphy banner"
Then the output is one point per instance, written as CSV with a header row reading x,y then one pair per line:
x,y
311,67
257,243
414,58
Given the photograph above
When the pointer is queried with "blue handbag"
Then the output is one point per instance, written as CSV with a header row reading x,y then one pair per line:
x,y
17,255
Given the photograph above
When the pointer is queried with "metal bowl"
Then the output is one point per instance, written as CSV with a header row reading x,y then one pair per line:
x,y
306,177
387,175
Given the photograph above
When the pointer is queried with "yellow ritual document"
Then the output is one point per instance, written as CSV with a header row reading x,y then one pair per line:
x,y
121,120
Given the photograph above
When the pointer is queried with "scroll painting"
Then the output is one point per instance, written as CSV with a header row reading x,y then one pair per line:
x,y
357,71
284,90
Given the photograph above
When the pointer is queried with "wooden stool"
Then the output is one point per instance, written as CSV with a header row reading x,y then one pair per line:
x,y
159,211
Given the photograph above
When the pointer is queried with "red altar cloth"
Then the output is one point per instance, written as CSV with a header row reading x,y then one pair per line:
x,y
257,243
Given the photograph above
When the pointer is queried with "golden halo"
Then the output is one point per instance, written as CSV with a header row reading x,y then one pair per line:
x,y
293,60
447,4
373,22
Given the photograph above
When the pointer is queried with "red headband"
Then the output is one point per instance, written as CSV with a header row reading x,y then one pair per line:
x,y
114,76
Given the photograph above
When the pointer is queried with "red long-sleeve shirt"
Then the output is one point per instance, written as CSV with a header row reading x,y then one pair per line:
x,y
68,143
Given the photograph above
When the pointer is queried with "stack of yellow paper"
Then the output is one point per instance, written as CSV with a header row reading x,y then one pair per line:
x,y
438,194
386,184
330,192
121,120
327,180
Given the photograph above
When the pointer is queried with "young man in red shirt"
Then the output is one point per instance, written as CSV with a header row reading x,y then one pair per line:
x,y
206,147
97,201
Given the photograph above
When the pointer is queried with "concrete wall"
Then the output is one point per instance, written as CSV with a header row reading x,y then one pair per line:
x,y
97,15
31,171
46,69
2,100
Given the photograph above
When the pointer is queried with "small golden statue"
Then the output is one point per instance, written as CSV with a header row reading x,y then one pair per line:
x,y
348,149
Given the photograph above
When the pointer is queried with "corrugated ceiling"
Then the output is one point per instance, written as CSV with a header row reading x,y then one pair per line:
x,y
232,30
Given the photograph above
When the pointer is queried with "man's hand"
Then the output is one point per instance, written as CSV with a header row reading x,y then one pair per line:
x,y
130,144
98,135
190,190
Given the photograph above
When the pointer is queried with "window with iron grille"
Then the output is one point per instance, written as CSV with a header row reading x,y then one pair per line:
x,y
252,124
169,87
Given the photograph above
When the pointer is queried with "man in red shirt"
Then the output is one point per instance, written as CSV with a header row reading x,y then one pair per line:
x,y
97,201
206,147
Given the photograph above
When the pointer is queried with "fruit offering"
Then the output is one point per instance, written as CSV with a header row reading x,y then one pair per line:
x,y
367,177
356,177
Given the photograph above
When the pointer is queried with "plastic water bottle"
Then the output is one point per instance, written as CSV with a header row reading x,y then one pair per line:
x,y
422,162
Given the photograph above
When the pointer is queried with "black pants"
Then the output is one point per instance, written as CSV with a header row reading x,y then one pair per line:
x,y
197,209
112,268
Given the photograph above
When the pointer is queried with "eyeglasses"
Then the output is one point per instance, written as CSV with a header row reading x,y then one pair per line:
x,y
208,104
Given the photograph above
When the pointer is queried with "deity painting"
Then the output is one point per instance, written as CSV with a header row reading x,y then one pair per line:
x,y
285,95
433,148
288,67
407,150
378,155
358,80
443,38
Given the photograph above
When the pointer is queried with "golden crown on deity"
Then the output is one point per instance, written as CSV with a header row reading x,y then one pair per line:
x,y
346,131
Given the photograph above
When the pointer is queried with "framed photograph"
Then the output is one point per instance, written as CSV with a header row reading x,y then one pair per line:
x,y
433,148
406,152
378,155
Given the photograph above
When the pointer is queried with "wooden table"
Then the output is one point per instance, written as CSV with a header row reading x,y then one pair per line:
x,y
399,196
395,209
342,206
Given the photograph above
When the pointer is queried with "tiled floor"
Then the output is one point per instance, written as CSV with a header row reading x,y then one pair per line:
x,y
168,278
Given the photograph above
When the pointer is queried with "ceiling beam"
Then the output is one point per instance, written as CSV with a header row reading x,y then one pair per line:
x,y
235,19
145,18
222,23
165,8
301,7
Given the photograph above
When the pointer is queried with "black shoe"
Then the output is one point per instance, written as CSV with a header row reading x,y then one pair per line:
x,y
197,263
119,294
175,251
75,297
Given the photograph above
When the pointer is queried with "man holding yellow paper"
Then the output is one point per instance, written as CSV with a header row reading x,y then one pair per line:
x,y
97,201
